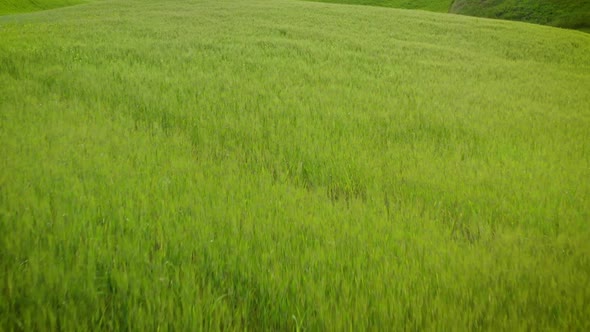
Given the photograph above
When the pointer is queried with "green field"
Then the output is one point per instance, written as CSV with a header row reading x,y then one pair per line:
x,y
22,6
291,165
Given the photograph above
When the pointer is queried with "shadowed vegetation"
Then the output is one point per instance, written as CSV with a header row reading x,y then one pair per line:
x,y
573,14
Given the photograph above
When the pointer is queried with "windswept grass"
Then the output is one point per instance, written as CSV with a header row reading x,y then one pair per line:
x,y
284,165
22,6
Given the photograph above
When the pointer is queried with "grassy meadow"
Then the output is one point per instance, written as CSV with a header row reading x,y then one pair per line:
x,y
291,165
21,6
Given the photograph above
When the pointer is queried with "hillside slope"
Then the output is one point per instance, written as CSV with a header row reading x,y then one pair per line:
x,y
288,165
22,6
430,5
573,14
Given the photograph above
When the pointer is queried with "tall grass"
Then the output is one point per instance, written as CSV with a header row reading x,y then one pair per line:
x,y
22,6
192,165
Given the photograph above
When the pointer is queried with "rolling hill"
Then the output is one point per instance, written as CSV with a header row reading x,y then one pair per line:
x,y
571,14
291,165
430,5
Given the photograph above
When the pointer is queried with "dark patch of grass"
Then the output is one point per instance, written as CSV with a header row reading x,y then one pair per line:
x,y
572,14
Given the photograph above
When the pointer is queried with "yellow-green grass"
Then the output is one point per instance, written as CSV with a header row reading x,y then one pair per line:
x,y
284,165
430,5
22,6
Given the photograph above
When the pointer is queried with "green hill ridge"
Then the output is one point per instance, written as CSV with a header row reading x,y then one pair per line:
x,y
573,14
430,5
